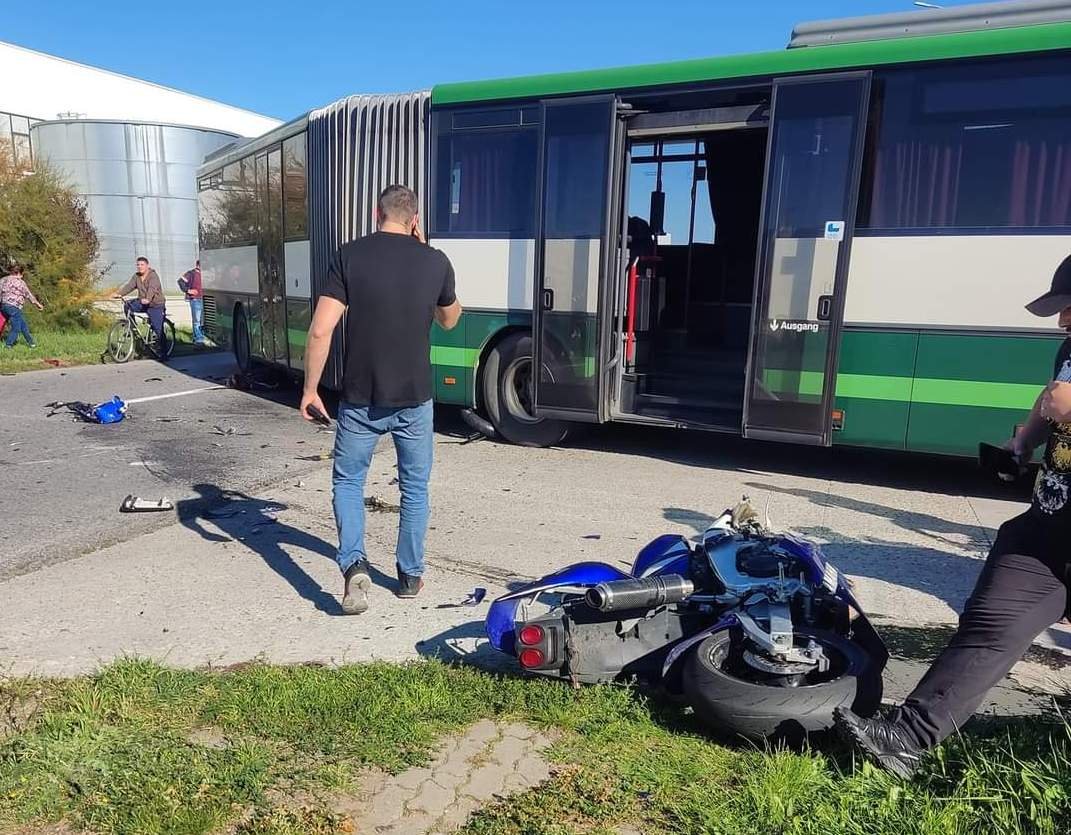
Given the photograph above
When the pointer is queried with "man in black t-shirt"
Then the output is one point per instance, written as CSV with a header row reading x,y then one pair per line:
x,y
391,285
1022,589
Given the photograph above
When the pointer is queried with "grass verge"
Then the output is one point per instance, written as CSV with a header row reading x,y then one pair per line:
x,y
72,347
142,748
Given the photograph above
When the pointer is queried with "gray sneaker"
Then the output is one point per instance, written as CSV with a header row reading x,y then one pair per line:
x,y
355,596
409,585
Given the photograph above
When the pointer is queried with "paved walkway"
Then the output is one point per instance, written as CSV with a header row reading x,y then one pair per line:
x,y
489,761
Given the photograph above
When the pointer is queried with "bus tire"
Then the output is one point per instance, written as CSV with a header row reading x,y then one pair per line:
x,y
505,382
243,348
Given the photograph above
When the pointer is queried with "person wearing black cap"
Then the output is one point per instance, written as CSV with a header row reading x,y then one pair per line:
x,y
1022,589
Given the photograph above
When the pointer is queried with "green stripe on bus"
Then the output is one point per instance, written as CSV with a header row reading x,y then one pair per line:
x,y
991,395
453,355
975,393
1012,40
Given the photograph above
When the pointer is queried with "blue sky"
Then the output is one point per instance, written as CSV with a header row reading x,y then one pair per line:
x,y
282,58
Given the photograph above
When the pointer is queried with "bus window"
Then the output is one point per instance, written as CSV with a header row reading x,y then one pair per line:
x,y
486,184
295,189
972,146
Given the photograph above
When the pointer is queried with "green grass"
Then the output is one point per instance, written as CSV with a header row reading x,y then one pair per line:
x,y
71,347
118,753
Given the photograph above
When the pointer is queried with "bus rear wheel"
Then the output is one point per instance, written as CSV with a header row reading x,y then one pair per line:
x,y
506,384
243,352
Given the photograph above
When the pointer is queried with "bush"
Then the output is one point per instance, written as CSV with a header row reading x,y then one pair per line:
x,y
45,226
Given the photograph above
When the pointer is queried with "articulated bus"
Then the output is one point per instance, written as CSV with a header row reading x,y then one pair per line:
x,y
828,244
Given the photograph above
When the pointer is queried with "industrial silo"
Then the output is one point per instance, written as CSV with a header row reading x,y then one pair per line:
x,y
139,180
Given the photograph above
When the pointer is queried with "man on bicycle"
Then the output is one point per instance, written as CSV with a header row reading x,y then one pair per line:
x,y
150,299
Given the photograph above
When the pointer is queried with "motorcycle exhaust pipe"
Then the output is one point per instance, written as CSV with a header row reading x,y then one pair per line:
x,y
639,593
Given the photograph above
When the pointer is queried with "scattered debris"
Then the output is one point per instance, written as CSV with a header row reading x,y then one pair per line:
x,y
475,598
377,505
144,464
168,420
154,379
592,536
133,504
300,484
323,456
228,431
56,363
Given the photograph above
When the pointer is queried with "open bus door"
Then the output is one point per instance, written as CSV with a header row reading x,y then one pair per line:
x,y
577,237
811,186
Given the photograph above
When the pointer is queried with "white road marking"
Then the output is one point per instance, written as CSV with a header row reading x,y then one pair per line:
x,y
174,394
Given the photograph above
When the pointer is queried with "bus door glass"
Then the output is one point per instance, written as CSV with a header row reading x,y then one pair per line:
x,y
269,168
575,250
811,186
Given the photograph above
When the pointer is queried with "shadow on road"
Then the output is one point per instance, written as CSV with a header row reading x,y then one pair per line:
x,y
254,522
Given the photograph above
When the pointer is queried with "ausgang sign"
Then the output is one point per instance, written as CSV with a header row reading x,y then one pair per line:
x,y
798,327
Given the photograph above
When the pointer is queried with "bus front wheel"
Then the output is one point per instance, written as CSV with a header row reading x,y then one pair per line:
x,y
506,382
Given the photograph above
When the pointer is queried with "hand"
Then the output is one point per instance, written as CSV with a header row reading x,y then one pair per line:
x,y
1018,449
416,232
311,398
1056,402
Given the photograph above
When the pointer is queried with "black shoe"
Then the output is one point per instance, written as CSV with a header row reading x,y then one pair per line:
x,y
884,743
409,585
355,596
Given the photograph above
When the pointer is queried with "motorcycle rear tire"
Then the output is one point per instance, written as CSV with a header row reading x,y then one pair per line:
x,y
757,711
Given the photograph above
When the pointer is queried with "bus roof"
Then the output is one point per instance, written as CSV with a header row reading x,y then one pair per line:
x,y
843,56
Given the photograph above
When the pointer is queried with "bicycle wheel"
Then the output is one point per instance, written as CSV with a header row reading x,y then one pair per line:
x,y
121,341
169,339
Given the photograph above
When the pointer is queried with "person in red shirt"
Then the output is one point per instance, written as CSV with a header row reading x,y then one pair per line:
x,y
190,284
14,293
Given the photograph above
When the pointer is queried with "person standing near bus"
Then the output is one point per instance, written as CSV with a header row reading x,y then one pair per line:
x,y
1023,588
191,285
393,286
150,299
14,293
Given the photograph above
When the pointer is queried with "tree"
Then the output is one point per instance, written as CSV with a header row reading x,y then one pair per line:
x,y
45,227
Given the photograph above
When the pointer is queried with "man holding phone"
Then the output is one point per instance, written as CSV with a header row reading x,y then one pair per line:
x,y
393,286
1022,589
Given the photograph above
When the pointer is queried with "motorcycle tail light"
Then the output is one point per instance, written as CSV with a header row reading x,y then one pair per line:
x,y
532,635
531,658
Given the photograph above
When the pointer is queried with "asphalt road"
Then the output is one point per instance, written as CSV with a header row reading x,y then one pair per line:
x,y
64,479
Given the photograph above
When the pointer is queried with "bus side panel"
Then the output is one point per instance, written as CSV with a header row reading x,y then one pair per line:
x,y
230,276
297,264
455,355
975,387
874,379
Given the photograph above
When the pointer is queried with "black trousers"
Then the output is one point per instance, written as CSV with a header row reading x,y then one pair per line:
x,y
1022,590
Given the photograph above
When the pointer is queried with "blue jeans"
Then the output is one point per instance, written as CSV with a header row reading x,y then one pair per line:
x,y
358,430
197,312
16,325
156,317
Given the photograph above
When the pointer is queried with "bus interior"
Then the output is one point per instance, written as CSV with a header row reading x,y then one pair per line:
x,y
694,175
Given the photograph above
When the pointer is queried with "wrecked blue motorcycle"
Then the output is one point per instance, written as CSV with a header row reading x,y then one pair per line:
x,y
757,631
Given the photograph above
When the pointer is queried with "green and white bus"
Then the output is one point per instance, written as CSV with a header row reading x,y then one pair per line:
x,y
828,244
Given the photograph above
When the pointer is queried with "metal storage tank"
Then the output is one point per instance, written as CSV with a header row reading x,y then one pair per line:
x,y
140,183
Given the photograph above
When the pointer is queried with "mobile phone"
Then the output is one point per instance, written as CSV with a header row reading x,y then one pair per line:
x,y
318,416
1000,461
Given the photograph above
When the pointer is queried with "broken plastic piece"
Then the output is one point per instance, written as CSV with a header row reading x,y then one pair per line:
x,y
133,504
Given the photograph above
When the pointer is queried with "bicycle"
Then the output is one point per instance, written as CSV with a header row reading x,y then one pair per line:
x,y
133,330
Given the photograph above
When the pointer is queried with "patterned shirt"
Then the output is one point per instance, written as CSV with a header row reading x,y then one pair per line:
x,y
15,292
1052,490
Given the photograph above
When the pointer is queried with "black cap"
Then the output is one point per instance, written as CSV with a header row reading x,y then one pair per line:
x,y
1059,295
